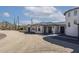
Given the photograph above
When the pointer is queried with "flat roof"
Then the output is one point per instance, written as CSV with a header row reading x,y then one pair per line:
x,y
70,10
48,24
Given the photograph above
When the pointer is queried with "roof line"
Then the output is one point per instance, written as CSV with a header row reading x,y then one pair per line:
x,y
70,10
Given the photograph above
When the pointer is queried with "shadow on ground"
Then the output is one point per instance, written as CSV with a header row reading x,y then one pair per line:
x,y
36,33
2,36
65,42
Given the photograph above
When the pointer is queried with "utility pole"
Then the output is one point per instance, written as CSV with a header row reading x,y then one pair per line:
x,y
18,22
14,24
31,21
31,24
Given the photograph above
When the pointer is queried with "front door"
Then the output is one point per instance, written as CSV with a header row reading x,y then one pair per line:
x,y
45,29
49,30
62,30
28,29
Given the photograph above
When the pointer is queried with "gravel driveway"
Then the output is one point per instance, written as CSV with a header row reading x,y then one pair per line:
x,y
20,42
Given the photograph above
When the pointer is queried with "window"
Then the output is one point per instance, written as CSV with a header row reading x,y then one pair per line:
x,y
75,21
68,14
69,24
38,29
75,12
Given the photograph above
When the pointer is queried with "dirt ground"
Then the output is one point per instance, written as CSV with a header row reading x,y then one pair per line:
x,y
17,42
2,36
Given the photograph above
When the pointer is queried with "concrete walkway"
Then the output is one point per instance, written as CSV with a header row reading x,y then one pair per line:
x,y
20,42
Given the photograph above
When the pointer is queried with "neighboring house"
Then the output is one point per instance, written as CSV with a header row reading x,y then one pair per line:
x,y
71,16
46,28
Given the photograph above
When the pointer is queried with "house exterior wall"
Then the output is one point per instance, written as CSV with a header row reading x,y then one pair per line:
x,y
39,31
59,29
55,29
73,29
27,28
35,29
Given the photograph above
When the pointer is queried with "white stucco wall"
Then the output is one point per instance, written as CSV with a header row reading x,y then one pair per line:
x,y
55,29
27,28
41,29
73,29
35,28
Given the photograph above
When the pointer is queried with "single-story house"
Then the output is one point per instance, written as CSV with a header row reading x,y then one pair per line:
x,y
46,28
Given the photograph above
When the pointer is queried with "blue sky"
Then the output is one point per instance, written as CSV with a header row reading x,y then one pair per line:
x,y
38,14
64,8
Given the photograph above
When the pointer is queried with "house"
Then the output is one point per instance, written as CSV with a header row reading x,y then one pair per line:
x,y
71,16
46,28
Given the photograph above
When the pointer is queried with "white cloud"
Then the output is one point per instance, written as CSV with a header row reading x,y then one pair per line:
x,y
6,14
41,9
45,13
22,22
36,21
